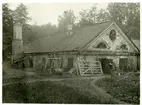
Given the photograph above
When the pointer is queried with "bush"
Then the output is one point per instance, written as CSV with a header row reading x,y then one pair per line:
x,y
127,90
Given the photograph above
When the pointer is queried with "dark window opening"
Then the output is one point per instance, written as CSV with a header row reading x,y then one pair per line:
x,y
23,65
43,60
31,63
101,45
112,35
70,63
123,62
123,47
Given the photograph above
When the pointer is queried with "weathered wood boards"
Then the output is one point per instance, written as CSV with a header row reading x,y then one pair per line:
x,y
88,67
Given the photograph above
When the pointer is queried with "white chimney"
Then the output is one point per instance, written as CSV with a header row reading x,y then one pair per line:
x,y
69,27
69,30
17,31
17,43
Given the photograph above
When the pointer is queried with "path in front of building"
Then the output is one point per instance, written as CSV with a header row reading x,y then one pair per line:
x,y
90,86
55,78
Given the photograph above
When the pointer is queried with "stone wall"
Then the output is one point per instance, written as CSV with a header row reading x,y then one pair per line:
x,y
42,62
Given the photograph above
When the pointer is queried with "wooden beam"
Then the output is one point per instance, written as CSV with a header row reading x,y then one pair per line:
x,y
109,53
96,52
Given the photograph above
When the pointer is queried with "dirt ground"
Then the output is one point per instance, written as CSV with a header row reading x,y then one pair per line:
x,y
82,85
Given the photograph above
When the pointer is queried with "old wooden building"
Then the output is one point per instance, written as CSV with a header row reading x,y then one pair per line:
x,y
85,50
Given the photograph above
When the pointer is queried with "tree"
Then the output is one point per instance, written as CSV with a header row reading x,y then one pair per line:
x,y
133,14
102,16
88,17
7,30
34,32
9,18
20,14
127,16
85,19
66,18
118,12
48,29
92,14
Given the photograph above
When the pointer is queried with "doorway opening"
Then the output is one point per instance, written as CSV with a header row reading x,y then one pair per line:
x,y
31,63
70,63
105,65
123,63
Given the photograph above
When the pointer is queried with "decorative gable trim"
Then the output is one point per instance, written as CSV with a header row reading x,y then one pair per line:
x,y
127,38
121,32
101,41
90,42
123,43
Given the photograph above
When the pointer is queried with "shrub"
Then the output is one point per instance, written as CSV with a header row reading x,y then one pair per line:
x,y
127,90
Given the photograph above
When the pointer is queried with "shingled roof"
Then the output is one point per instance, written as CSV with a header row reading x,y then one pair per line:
x,y
137,43
62,42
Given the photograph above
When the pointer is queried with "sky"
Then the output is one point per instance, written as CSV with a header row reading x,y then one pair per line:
x,y
43,13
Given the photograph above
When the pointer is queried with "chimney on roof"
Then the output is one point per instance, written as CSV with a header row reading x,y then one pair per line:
x,y
69,30
17,42
17,29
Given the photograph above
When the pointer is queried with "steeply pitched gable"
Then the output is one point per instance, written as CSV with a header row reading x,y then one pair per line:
x,y
112,45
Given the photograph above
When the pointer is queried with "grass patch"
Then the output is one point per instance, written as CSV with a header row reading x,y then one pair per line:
x,y
20,79
127,90
43,92
84,87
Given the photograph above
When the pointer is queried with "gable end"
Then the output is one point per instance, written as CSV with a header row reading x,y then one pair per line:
x,y
118,38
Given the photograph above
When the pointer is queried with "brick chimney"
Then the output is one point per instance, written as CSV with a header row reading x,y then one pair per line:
x,y
17,43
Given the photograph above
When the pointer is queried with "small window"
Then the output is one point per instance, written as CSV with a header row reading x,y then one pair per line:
x,y
112,35
123,47
101,45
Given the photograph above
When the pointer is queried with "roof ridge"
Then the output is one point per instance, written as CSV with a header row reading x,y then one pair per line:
x,y
96,24
61,42
58,32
